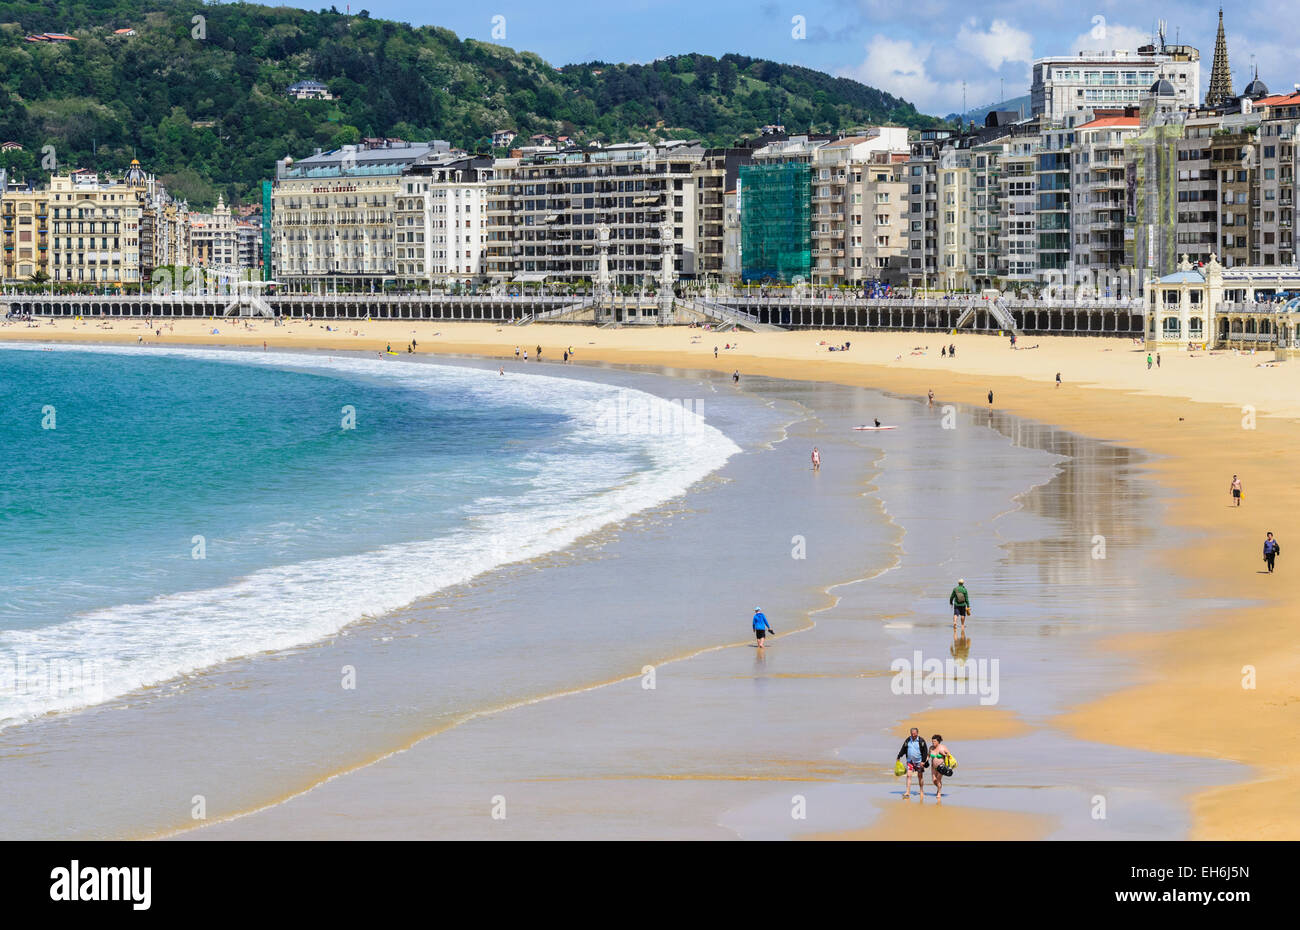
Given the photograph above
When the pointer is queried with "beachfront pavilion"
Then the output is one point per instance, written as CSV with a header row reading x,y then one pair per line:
x,y
1203,306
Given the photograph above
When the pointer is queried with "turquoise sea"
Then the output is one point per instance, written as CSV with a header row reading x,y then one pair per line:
x,y
162,511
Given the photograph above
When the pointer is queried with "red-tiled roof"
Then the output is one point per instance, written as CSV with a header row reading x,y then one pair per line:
x,y
1279,100
1109,121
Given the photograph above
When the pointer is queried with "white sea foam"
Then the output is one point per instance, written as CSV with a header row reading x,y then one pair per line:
x,y
110,652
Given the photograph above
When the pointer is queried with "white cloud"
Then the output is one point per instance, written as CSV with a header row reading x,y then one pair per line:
x,y
897,66
907,69
1000,44
1106,36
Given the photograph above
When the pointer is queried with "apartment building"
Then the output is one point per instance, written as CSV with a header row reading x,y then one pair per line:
x,y
858,206
94,230
441,221
1276,140
972,212
1098,198
24,210
334,213
879,253
545,210
1197,220
921,171
214,239
1001,200
1052,205
249,235
954,182
1232,160
1017,223
164,223
1089,79
715,189
731,231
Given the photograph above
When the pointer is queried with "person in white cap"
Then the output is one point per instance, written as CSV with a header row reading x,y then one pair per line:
x,y
761,626
960,601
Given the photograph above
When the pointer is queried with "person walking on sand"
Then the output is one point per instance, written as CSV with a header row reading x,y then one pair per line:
x,y
516,353
952,350
1157,359
938,762
1271,551
1058,379
735,377
816,459
960,601
990,398
1235,487
931,397
715,351
917,755
761,627
1148,361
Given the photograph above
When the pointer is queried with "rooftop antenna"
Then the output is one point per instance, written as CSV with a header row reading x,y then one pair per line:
x,y
963,102
1160,31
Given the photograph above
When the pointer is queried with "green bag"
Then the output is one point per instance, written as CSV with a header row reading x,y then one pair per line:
x,y
900,767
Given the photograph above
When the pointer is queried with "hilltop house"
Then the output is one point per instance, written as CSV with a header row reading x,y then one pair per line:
x,y
310,90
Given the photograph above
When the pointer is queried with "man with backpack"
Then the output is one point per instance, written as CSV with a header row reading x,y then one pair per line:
x,y
917,754
960,601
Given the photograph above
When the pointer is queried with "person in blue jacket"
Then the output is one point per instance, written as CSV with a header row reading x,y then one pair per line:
x,y
1271,550
761,626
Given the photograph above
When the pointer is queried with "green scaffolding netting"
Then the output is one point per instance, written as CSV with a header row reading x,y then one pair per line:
x,y
775,229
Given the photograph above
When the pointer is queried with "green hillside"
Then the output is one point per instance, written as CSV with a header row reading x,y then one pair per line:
x,y
203,106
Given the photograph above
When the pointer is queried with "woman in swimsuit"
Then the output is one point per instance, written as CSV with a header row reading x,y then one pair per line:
x,y
938,752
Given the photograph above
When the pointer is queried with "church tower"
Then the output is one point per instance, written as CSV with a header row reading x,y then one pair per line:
x,y
1220,92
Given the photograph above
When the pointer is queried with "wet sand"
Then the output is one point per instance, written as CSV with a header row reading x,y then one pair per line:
x,y
733,742
925,821
1187,695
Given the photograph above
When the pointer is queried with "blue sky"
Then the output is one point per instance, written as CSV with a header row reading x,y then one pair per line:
x,y
921,50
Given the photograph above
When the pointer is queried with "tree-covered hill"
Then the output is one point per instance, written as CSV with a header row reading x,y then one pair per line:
x,y
198,93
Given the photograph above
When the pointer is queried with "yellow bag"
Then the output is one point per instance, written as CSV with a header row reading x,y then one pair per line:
x,y
899,767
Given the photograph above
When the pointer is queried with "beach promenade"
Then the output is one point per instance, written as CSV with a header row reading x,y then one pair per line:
x,y
1226,688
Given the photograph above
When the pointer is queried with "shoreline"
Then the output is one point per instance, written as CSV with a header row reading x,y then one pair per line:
x,y
1194,702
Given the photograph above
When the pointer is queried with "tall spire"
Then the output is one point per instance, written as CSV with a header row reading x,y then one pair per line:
x,y
1220,92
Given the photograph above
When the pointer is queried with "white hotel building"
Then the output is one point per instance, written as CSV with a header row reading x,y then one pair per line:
x,y
333,214
1093,80
441,216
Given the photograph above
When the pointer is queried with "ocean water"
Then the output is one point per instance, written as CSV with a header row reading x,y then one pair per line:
x,y
165,511
527,679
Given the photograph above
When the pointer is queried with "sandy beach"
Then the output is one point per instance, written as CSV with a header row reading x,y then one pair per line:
x,y
1224,688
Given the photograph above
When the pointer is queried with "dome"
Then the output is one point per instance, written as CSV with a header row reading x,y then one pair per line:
x,y
1255,89
1162,88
